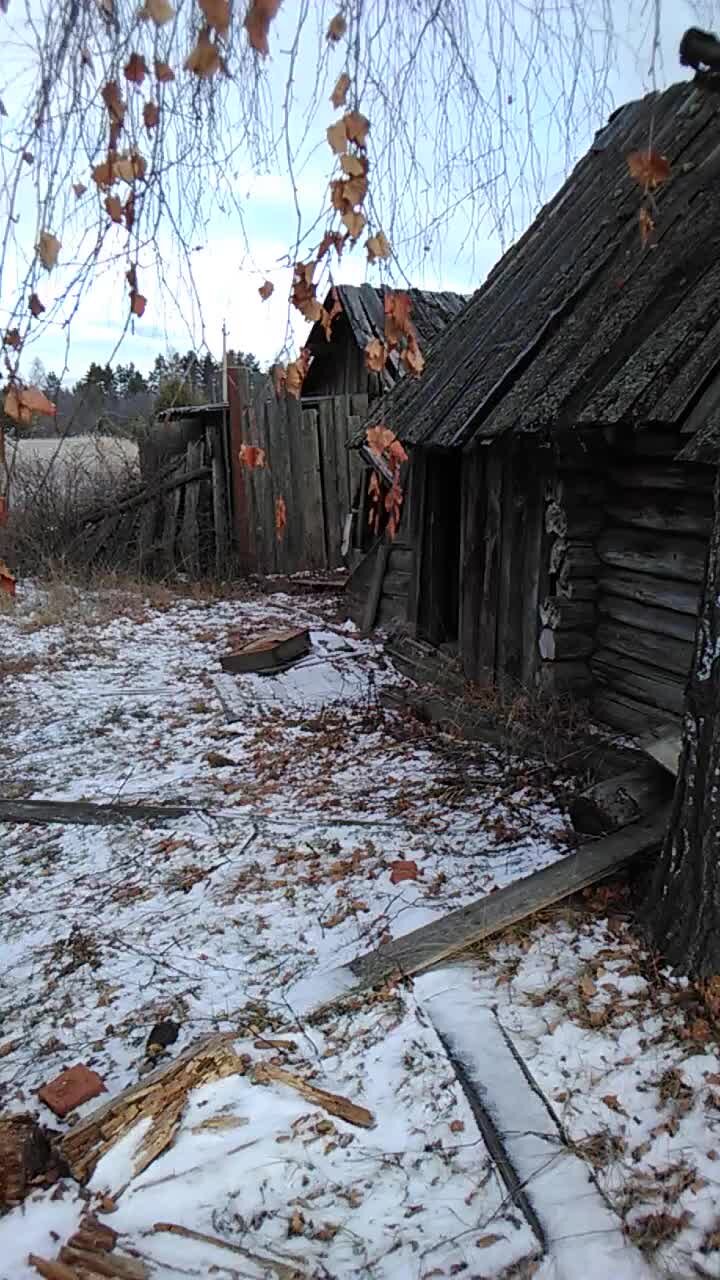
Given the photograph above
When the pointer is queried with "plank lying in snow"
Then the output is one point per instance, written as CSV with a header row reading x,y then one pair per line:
x,y
445,937
578,1232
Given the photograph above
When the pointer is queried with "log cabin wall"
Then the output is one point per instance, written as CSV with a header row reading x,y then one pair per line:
x,y
651,562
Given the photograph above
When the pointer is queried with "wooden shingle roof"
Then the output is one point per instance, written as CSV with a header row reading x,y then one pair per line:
x,y
580,323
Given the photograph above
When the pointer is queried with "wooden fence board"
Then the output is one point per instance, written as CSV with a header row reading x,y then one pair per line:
x,y
265,481
277,420
297,522
341,410
312,487
328,459
221,526
190,533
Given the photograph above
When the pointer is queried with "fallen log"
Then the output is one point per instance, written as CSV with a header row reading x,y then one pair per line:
x,y
453,933
617,801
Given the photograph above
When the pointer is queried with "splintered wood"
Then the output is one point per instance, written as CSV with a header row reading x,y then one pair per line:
x,y
25,1154
343,1108
89,1252
159,1098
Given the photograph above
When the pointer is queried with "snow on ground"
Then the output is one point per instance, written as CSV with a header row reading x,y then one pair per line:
x,y
282,872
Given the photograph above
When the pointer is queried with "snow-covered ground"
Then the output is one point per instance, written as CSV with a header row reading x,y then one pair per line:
x,y
285,871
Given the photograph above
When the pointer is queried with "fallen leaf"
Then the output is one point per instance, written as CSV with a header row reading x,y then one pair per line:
x,y
79,188
356,127
355,222
611,1101
151,115
164,72
378,246
647,226
648,168
337,136
280,518
135,68
35,305
204,60
296,1225
587,987
157,11
266,289
251,456
12,339
375,355
217,14
137,303
403,869
48,249
337,28
338,97
257,23
484,1242
457,1126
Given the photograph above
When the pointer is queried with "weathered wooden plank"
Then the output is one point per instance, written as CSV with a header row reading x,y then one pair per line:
x,y
680,597
577,588
625,713
486,666
569,677
341,408
85,813
418,484
190,534
676,477
463,928
391,609
664,745
687,513
313,507
512,558
282,488
567,615
634,679
221,531
662,622
171,509
297,519
561,646
659,555
472,564
662,652
147,524
328,445
372,599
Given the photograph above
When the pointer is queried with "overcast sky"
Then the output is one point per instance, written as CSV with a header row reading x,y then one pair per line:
x,y
233,263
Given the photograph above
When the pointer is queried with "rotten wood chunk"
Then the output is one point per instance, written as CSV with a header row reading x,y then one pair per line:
x,y
159,1097
25,1154
334,1103
616,801
270,652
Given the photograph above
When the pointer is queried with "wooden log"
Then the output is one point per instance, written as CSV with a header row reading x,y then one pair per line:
x,y
438,941
665,593
572,558
113,1266
147,524
401,558
688,513
584,486
557,678
567,615
661,556
638,680
662,652
674,477
662,622
616,801
84,812
577,588
625,713
561,646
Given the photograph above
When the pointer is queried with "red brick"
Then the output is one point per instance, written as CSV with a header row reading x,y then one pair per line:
x,y
70,1089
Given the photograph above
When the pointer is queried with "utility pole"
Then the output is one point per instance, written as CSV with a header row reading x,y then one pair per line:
x,y
224,364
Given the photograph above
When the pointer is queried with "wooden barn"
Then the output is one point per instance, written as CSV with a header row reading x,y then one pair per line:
x,y
338,366
553,533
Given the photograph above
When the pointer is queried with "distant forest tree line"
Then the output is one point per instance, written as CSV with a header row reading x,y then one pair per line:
x,y
122,401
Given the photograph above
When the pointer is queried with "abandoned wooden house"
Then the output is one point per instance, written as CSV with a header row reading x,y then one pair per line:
x,y
551,534
338,366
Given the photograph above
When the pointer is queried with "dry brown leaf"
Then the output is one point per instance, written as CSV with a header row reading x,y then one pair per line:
x,y
337,136
79,189
279,377
337,28
48,249
457,1126
338,199
257,23
611,1101
113,206
251,456
135,68
266,289
412,358
354,166
113,100
378,246
484,1242
356,127
151,115
355,222
102,174
157,11
375,355
648,168
12,339
129,167
35,305
204,60
22,402
295,374
137,303
28,157
647,226
280,518
338,97
163,72
587,987
217,14
355,189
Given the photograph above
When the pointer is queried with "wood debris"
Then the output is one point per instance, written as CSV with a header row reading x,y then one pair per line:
x,y
334,1103
159,1097
25,1156
281,1269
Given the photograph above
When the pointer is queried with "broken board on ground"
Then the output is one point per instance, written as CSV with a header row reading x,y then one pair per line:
x,y
268,654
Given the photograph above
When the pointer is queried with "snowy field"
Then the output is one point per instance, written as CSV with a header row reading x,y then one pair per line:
x,y
285,871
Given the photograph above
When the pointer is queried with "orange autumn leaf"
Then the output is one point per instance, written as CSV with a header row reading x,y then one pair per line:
x,y
135,68
113,100
279,377
12,339
398,307
7,579
354,166
331,240
163,72
157,11
217,14
337,137
48,249
412,358
113,206
151,115
378,246
257,23
280,518
266,289
137,303
22,402
251,456
375,356
337,28
403,869
338,97
35,305
648,168
355,222
204,59
295,374
356,127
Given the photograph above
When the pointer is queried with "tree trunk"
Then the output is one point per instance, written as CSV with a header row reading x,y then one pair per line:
x,y
684,902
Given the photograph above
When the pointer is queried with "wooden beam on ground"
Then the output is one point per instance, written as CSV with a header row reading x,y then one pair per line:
x,y
85,813
451,934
